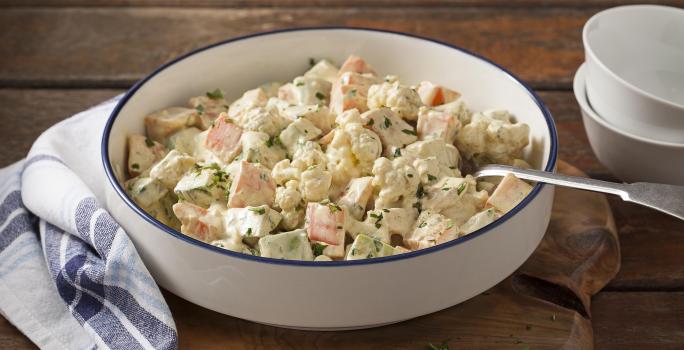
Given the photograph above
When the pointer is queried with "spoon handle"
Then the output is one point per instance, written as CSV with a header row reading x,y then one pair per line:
x,y
668,199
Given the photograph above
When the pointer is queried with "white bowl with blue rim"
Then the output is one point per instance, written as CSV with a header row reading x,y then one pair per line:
x,y
338,294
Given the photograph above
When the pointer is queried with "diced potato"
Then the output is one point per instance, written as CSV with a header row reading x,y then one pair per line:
x,y
430,226
445,153
145,191
258,147
249,100
457,108
356,64
293,245
235,245
169,170
323,257
323,70
262,119
350,91
159,125
356,196
394,132
479,220
142,154
251,221
400,220
319,116
208,107
184,140
252,186
223,139
445,193
325,223
204,185
306,91
365,247
197,222
297,133
509,193
400,250
433,95
433,124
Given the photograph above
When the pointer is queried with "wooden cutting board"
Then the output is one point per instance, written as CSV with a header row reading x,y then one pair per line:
x,y
543,305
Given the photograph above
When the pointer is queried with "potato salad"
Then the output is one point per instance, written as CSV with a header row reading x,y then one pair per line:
x,y
338,164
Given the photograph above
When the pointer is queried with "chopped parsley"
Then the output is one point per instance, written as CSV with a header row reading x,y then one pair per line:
x,y
318,248
408,132
397,152
409,175
320,95
446,188
387,122
260,211
386,210
333,207
301,83
418,206
432,177
422,224
452,167
312,167
135,166
249,231
352,92
461,188
421,192
312,62
200,108
353,251
449,224
378,245
325,201
370,122
379,218
149,142
215,95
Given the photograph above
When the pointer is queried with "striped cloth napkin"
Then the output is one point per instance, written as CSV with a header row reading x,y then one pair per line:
x,y
70,277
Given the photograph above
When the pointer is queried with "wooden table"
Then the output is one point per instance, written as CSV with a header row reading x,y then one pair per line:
x,y
60,56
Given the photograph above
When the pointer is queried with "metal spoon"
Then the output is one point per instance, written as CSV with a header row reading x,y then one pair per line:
x,y
668,199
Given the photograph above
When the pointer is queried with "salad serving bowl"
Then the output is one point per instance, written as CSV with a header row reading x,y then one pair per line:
x,y
337,294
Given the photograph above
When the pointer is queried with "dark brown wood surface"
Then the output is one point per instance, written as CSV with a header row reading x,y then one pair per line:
x,y
60,56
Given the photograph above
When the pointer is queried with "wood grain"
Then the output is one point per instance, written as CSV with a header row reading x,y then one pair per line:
x,y
11,338
637,321
113,47
337,3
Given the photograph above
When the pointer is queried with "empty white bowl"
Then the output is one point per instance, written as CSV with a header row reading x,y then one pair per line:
x,y
338,294
635,69
629,157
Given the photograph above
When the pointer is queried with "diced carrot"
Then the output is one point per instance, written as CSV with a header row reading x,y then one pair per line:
x,y
223,139
325,223
355,64
251,186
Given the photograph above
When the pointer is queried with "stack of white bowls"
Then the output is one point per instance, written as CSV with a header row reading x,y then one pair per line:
x,y
631,91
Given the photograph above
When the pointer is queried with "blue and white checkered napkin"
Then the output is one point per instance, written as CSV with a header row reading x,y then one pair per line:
x,y
70,277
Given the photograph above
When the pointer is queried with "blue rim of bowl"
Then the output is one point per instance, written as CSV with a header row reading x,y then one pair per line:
x,y
120,191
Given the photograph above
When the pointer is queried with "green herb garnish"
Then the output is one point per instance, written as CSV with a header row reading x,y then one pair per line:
x,y
432,177
301,83
397,152
320,95
409,132
249,231
420,193
461,188
260,211
333,207
312,62
200,108
318,248
370,122
422,224
388,122
149,142
215,95
135,166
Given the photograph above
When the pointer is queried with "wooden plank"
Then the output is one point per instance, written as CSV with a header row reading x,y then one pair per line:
x,y
97,47
626,321
337,3
11,338
27,113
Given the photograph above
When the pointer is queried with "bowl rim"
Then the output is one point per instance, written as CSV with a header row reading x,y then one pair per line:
x,y
111,177
590,52
580,88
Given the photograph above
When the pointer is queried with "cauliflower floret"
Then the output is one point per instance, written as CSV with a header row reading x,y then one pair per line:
x,y
352,152
491,137
258,147
397,181
402,100
457,108
319,116
306,91
184,140
446,154
431,170
270,89
315,183
289,200
348,117
394,132
309,169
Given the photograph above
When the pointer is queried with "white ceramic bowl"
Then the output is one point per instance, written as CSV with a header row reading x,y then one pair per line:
x,y
629,157
339,294
635,69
